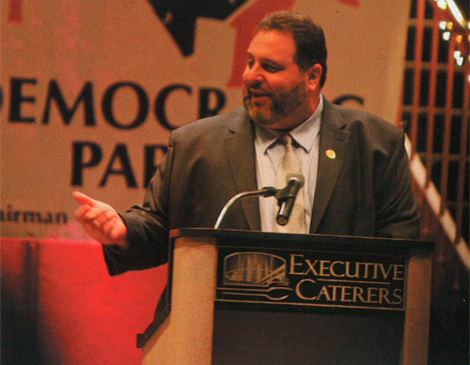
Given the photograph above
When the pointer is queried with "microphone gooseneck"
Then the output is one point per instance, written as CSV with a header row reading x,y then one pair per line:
x,y
264,192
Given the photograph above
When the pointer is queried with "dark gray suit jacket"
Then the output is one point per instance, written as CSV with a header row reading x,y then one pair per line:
x,y
364,191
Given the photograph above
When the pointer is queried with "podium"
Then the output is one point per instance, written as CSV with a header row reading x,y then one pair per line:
x,y
243,297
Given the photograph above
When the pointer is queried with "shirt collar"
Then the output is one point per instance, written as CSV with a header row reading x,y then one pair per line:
x,y
304,134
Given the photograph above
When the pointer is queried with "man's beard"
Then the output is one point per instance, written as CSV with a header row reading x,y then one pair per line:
x,y
282,106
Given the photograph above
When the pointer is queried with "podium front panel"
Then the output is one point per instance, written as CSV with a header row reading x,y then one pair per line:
x,y
239,297
307,305
279,338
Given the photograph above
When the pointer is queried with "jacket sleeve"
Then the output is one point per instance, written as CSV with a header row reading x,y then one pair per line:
x,y
148,226
397,212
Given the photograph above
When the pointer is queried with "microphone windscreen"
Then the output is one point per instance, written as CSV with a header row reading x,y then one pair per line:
x,y
296,176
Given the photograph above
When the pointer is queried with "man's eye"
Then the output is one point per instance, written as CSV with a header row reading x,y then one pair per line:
x,y
271,68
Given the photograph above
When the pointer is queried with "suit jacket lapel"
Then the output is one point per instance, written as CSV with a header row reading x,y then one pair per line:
x,y
333,144
240,149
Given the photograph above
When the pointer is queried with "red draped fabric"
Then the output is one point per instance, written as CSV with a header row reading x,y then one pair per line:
x,y
60,306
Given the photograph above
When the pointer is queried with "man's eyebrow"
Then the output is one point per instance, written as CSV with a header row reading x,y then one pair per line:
x,y
267,60
273,62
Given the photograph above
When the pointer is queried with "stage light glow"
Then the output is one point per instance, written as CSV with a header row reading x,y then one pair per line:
x,y
442,4
459,59
443,25
456,12
446,36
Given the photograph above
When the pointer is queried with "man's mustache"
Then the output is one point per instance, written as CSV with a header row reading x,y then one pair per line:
x,y
257,91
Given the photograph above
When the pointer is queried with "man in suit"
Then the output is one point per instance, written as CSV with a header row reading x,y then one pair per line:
x,y
357,179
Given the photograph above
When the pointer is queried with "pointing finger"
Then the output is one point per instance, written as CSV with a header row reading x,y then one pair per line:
x,y
83,199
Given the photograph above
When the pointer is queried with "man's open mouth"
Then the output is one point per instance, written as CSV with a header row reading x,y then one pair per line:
x,y
258,94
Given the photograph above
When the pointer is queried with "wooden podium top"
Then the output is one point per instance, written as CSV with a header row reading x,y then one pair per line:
x,y
304,241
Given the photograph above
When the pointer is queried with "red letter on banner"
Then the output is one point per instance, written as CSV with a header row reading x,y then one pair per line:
x,y
15,11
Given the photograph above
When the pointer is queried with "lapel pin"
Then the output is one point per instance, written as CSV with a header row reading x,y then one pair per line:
x,y
330,154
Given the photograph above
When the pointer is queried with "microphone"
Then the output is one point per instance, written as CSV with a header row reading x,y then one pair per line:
x,y
286,197
265,192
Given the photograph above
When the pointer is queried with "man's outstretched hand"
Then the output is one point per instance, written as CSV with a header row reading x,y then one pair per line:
x,y
100,221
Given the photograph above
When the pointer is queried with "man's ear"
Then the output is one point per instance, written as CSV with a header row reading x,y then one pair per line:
x,y
314,75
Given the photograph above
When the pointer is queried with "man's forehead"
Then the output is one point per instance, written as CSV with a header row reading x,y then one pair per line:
x,y
272,44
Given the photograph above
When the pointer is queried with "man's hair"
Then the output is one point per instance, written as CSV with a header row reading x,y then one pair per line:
x,y
308,37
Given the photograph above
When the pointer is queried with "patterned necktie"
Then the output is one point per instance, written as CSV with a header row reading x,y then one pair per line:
x,y
290,164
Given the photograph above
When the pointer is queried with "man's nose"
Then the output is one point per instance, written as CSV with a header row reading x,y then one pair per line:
x,y
253,76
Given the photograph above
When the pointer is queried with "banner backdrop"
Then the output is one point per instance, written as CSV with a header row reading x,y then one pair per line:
x,y
90,90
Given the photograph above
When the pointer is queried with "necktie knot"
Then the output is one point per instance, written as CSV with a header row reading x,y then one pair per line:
x,y
287,140
289,162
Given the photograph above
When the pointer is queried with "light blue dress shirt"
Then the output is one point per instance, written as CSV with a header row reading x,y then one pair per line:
x,y
269,152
